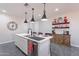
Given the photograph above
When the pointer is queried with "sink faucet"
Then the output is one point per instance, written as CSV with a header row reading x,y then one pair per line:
x,y
30,31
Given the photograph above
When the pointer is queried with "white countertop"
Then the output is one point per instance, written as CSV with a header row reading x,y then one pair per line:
x,y
23,35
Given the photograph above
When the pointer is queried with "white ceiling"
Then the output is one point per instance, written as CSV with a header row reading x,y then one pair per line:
x,y
18,9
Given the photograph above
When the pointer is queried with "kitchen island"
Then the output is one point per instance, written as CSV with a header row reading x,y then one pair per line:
x,y
33,45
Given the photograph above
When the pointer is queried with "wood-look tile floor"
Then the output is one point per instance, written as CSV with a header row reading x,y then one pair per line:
x,y
9,49
58,50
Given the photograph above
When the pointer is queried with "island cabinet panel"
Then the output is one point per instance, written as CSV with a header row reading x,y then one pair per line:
x,y
21,43
44,48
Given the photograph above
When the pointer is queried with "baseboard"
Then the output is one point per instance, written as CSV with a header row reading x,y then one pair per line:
x,y
74,45
6,42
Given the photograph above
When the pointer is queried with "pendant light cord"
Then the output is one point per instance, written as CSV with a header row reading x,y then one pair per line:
x,y
44,8
25,15
26,4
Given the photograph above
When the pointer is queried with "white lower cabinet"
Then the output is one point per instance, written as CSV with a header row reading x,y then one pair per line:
x,y
44,48
39,49
23,45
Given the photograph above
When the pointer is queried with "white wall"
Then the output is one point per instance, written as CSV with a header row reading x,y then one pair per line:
x,y
4,33
45,26
7,35
74,27
36,27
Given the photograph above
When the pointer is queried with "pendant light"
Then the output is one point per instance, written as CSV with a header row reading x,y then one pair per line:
x,y
26,4
25,18
32,20
44,18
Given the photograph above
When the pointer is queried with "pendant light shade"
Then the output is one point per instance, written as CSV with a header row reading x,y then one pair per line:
x,y
44,18
32,20
25,18
25,21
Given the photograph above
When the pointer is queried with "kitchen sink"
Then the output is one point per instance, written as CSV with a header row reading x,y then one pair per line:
x,y
35,37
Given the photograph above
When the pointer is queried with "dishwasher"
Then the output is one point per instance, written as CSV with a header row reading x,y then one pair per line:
x,y
32,48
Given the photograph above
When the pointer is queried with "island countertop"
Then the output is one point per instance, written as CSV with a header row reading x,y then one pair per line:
x,y
42,38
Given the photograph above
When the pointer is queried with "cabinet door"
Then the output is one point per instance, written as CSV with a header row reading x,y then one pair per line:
x,y
67,40
58,39
23,45
17,40
44,48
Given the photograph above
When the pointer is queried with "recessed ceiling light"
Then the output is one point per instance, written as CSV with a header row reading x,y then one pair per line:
x,y
56,9
4,11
